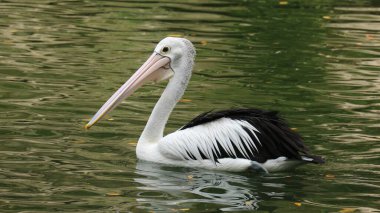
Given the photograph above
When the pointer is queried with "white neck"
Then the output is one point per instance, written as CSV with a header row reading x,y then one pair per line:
x,y
175,89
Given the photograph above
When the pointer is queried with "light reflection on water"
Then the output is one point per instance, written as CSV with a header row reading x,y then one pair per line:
x,y
225,189
357,79
316,62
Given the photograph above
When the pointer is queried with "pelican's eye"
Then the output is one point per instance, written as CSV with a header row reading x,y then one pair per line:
x,y
165,49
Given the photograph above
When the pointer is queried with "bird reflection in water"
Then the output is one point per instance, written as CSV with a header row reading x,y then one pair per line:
x,y
232,190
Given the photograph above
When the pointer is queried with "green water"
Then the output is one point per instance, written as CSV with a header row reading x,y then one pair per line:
x,y
318,62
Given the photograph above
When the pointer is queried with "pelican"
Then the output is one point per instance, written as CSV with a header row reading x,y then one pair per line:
x,y
230,140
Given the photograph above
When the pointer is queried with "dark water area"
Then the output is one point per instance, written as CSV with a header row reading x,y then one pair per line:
x,y
318,62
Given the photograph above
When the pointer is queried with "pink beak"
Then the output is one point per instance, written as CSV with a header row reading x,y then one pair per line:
x,y
156,68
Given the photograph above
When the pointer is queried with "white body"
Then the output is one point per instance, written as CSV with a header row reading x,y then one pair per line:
x,y
172,148
152,153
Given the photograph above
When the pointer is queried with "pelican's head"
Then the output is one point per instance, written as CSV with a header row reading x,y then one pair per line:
x,y
172,57
180,51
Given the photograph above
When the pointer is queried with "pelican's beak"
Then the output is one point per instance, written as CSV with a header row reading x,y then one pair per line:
x,y
156,68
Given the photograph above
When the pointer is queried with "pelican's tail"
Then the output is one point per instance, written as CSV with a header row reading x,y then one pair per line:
x,y
313,159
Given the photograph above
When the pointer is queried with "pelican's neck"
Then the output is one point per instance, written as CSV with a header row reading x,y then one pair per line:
x,y
175,89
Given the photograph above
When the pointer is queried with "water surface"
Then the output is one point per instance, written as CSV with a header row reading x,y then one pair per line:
x,y
315,61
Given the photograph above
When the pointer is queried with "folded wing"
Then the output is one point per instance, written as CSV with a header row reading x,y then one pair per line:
x,y
239,133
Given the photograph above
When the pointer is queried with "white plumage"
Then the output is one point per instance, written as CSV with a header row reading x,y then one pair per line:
x,y
231,140
183,144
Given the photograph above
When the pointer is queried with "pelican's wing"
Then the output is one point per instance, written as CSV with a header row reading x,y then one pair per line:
x,y
244,133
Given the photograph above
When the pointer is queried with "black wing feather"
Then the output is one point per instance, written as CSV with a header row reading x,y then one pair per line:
x,y
276,138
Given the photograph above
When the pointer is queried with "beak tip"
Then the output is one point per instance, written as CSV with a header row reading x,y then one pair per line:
x,y
87,127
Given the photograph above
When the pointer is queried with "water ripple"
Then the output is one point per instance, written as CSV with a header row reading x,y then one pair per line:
x,y
315,62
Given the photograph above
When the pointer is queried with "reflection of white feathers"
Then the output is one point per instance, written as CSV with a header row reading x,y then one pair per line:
x,y
230,191
194,142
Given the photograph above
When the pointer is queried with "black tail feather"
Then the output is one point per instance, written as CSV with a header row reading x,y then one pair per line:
x,y
313,159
